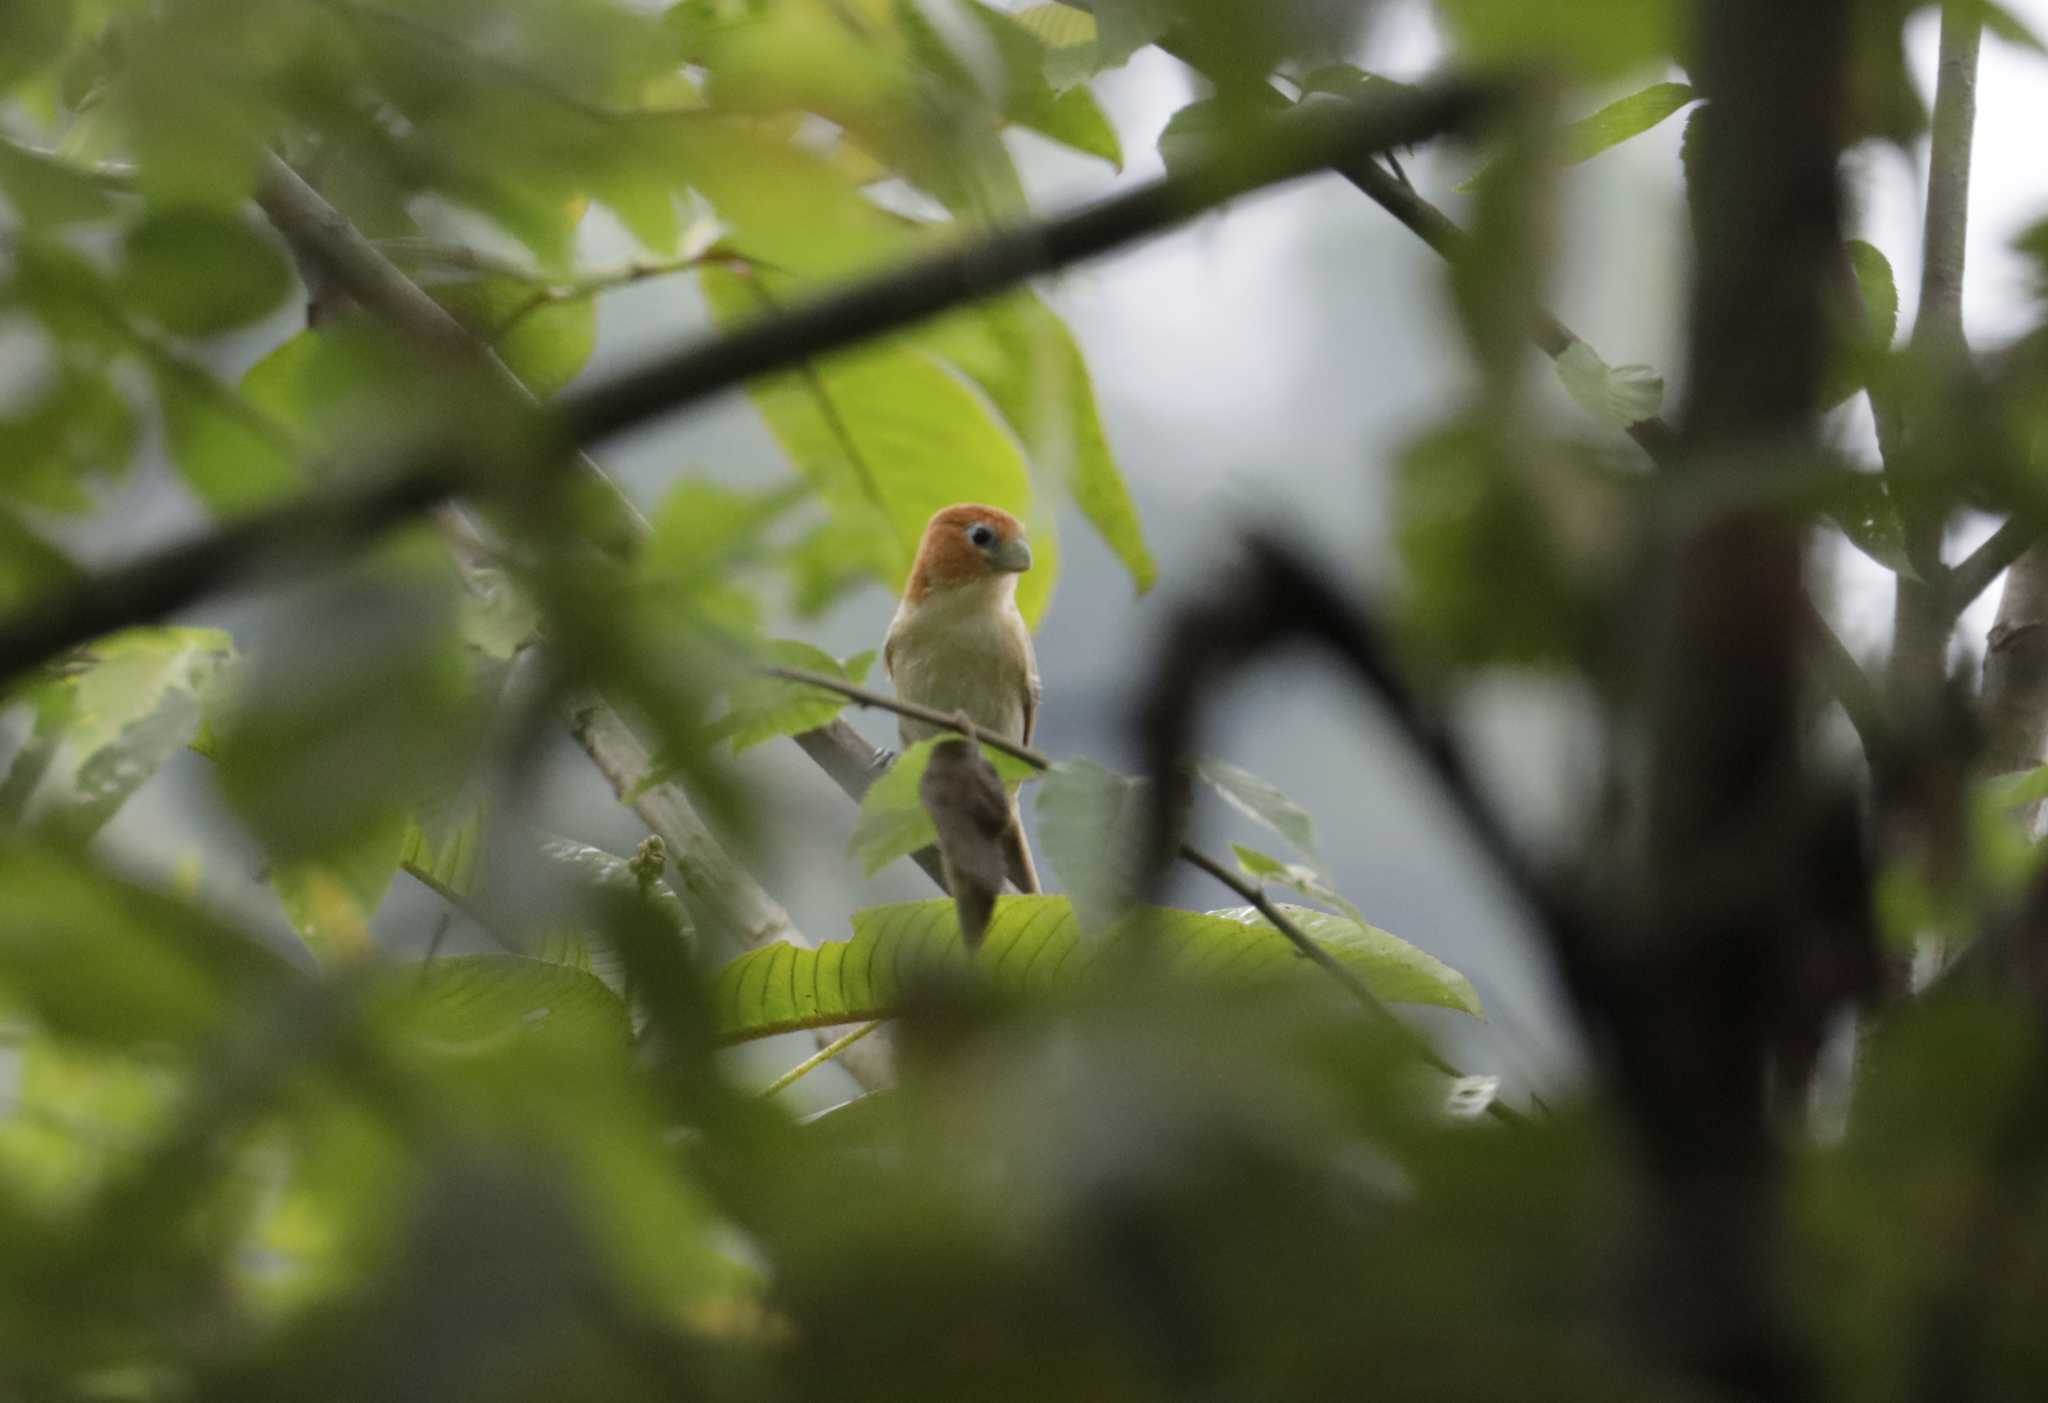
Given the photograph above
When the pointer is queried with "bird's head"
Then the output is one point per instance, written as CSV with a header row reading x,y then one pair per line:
x,y
967,544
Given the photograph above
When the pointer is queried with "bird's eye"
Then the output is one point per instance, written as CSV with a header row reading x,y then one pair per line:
x,y
981,533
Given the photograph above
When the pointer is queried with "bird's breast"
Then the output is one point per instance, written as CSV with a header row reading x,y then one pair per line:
x,y
978,665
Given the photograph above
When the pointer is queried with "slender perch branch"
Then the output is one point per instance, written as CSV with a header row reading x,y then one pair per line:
x,y
1253,893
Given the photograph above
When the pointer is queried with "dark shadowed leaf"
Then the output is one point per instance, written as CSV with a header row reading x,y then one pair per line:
x,y
198,272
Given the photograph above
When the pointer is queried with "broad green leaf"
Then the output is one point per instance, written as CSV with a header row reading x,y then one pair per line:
x,y
331,899
789,209
1617,395
443,841
93,958
1068,34
478,1002
2006,792
80,431
893,822
544,337
232,457
890,427
1024,357
349,714
1122,27
1483,582
1035,943
1072,118
2001,21
1613,124
134,701
32,34
1396,970
1588,39
198,272
763,708
704,530
1260,801
44,191
29,565
1196,131
78,1115
1091,822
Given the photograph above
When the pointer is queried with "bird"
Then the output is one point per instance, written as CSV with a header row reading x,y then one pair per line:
x,y
959,644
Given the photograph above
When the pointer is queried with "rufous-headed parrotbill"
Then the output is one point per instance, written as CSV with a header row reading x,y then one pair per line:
x,y
959,645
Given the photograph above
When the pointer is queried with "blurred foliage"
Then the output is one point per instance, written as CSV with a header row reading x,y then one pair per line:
x,y
1131,1151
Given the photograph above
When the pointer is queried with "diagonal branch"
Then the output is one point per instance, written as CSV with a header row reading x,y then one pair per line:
x,y
352,513
1251,892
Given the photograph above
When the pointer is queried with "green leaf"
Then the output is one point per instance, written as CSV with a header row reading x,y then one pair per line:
x,y
231,457
477,1002
1122,27
2006,792
890,427
2001,21
348,717
331,899
1861,505
1589,39
703,530
133,703
1483,583
1308,879
1619,395
108,962
46,192
1260,801
545,338
1090,824
1196,131
444,839
1613,124
1072,118
1036,944
29,565
893,822
80,429
198,272
32,34
1395,970
1068,34
1868,327
584,865
763,708
1024,357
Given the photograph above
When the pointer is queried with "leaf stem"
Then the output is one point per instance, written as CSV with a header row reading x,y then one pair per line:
x,y
819,1058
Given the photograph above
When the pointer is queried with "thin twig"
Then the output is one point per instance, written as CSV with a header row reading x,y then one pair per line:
x,y
1251,892
819,1058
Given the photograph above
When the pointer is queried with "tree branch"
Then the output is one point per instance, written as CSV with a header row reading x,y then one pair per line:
x,y
349,514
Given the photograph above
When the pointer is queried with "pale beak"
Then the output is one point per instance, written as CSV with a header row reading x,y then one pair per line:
x,y
1014,555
